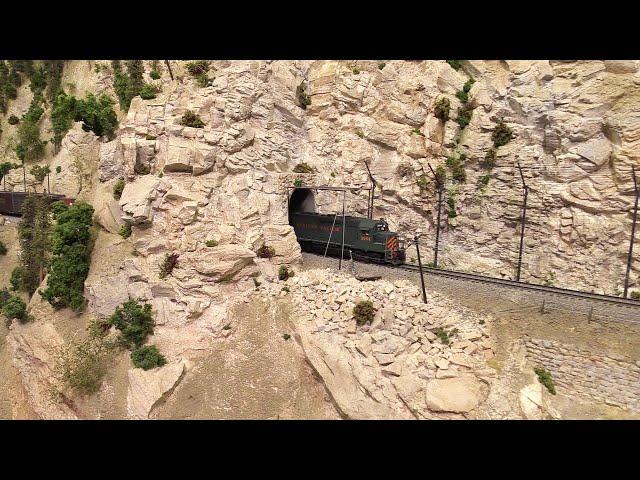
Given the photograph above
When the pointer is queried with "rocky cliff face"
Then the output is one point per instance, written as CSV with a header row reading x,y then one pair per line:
x,y
575,125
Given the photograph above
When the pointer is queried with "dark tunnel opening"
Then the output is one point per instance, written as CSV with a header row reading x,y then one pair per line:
x,y
301,200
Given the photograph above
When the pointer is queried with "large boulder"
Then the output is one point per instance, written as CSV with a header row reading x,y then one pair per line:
x,y
137,198
110,165
457,395
148,388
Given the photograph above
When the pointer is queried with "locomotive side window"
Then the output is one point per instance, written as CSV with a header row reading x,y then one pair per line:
x,y
382,227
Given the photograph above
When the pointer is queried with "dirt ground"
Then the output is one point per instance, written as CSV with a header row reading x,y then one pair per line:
x,y
254,374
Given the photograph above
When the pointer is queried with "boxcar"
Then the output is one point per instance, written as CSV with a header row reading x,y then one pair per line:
x,y
11,202
364,237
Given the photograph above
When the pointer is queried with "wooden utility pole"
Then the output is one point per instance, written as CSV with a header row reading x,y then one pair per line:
x,y
523,223
440,188
633,232
344,194
424,292
166,62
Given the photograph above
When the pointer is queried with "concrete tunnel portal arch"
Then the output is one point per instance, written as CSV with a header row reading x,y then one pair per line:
x,y
302,200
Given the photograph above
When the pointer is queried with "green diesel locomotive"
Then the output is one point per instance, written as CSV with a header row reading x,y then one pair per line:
x,y
366,238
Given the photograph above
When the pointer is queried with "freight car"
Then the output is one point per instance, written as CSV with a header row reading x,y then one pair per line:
x,y
366,238
11,202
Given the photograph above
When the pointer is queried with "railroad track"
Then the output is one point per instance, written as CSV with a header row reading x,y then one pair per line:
x,y
545,297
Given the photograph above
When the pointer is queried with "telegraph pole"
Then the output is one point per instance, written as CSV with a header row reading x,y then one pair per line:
x,y
343,225
523,223
373,192
424,292
166,62
633,231
439,186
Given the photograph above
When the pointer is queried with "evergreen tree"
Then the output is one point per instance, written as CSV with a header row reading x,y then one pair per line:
x,y
33,232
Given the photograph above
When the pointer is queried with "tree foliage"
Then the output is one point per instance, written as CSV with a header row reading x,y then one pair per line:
x,y
134,321
147,357
71,248
33,232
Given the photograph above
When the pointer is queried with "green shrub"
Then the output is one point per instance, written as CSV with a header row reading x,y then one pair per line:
x,y
97,114
285,289
58,169
356,71
451,210
40,172
134,321
445,336
501,134
303,168
550,279
15,307
57,208
148,92
198,67
462,96
125,230
441,174
465,112
483,181
423,183
211,243
4,298
456,166
442,108
71,248
34,234
490,159
17,279
468,84
545,379
3,248
155,74
417,132
190,119
364,312
13,120
284,273
635,294
297,182
204,80
286,336
29,146
455,64
301,95
168,264
118,188
147,357
381,65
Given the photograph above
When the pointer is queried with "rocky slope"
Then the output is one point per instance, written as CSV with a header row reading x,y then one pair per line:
x,y
575,127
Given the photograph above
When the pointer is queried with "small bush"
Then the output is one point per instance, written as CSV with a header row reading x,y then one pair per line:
x,y
125,230
301,95
80,367
154,74
468,84
148,92
490,159
40,172
134,321
284,273
423,183
198,67
464,115
364,312
3,248
17,278
58,169
204,80
13,120
441,174
285,289
417,132
297,183
303,168
635,295
442,108
445,336
266,251
190,119
462,96
404,170
118,188
451,210
15,308
356,71
455,64
286,336
501,135
148,136
483,181
456,165
545,379
168,264
147,357
550,279
381,65
211,243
